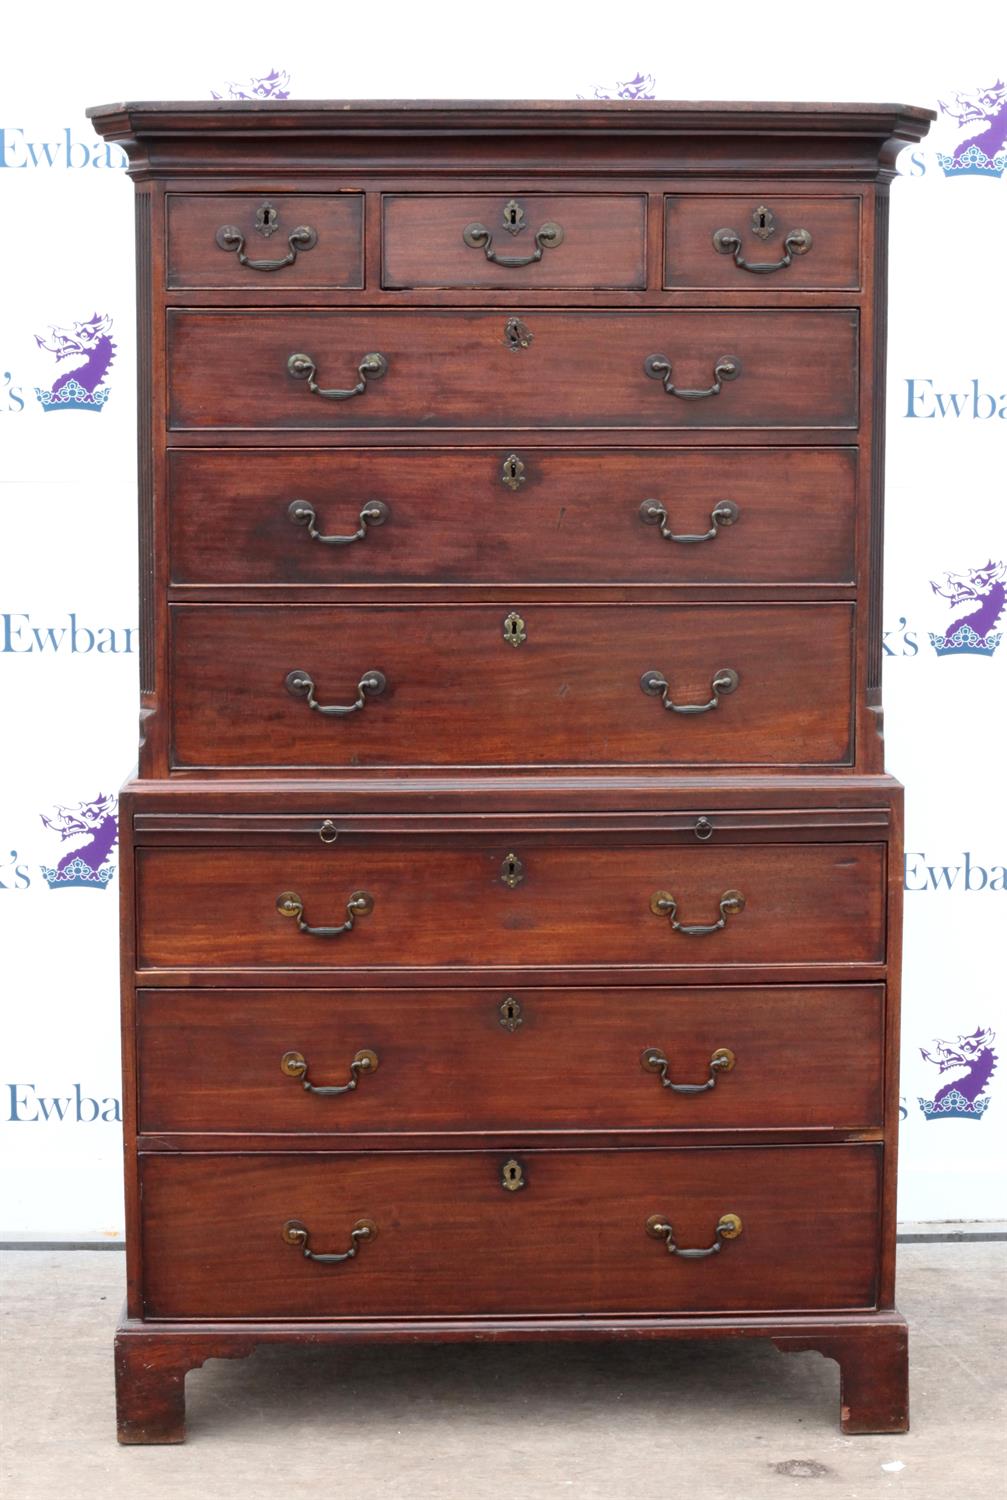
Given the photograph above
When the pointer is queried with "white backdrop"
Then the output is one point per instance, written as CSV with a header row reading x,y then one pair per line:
x,y
68,612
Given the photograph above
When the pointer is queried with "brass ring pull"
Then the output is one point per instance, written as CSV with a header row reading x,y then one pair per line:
x,y
360,904
653,1060
658,367
728,242
229,237
297,1234
478,237
301,685
303,513
371,367
724,681
724,513
658,1227
663,904
294,1065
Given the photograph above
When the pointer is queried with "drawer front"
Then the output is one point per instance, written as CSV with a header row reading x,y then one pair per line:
x,y
461,369
526,515
450,1239
564,686
265,242
443,904
781,243
525,240
479,1060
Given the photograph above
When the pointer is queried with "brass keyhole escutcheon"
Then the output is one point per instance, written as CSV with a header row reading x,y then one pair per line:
x,y
267,220
511,871
514,632
763,222
513,217
510,1014
512,1176
512,474
517,335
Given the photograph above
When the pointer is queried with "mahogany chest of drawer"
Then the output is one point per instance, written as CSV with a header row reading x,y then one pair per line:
x,y
510,875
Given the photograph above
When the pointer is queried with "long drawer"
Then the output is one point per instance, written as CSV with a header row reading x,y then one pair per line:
x,y
449,903
536,685
486,370
403,1061
479,1232
378,515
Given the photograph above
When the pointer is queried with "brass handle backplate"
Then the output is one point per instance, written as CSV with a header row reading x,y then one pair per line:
x,y
294,1065
659,1227
662,904
655,685
360,904
653,1060
229,237
728,242
303,367
300,684
303,513
297,1234
724,513
658,367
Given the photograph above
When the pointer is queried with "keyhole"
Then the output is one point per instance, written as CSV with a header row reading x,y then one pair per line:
x,y
510,1013
512,1176
762,221
266,219
513,629
512,215
512,871
512,472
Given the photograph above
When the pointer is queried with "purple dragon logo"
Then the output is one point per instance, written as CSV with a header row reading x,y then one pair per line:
x,y
83,353
980,594
979,121
965,1072
91,830
640,87
272,85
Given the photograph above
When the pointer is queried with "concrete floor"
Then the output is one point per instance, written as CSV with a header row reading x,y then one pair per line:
x,y
532,1422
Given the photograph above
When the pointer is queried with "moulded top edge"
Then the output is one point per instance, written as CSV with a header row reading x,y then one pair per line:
x,y
908,122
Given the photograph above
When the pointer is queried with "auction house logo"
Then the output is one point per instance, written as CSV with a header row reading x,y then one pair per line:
x,y
640,87
90,830
965,1068
977,600
978,120
83,355
19,153
968,138
272,85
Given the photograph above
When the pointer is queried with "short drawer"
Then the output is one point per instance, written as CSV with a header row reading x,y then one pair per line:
x,y
375,515
409,1061
493,371
523,240
745,243
224,1236
535,685
265,242
391,903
